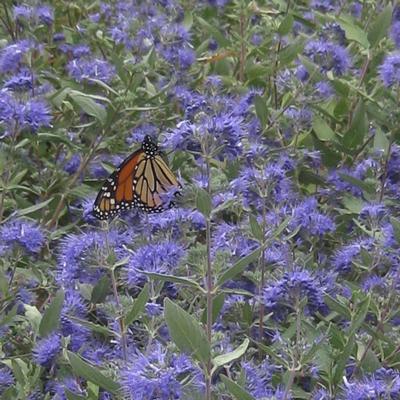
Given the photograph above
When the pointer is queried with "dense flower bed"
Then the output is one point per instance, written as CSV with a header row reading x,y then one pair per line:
x,y
277,273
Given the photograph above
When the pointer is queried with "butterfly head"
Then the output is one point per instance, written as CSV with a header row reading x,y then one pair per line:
x,y
150,147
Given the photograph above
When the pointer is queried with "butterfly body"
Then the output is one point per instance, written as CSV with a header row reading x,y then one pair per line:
x,y
139,182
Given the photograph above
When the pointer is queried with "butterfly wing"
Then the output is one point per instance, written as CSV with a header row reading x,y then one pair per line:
x,y
143,180
153,181
117,192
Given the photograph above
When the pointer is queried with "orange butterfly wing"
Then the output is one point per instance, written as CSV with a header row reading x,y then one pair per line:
x,y
140,181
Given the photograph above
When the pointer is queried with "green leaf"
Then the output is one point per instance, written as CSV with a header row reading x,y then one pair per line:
x,y
256,228
341,361
203,202
357,321
55,138
380,25
34,208
396,228
370,363
286,25
214,32
353,204
188,20
100,291
186,332
51,317
359,317
92,374
138,305
335,305
234,355
322,129
381,142
290,52
20,370
354,32
238,267
72,396
92,326
34,316
89,106
261,110
175,279
312,68
59,96
235,390
366,186
218,302
358,128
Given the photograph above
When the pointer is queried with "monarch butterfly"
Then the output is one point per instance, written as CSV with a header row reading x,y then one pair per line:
x,y
139,182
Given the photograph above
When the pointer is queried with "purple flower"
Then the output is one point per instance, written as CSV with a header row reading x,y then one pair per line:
x,y
45,14
389,70
59,37
12,55
389,236
229,238
395,33
373,212
85,70
46,350
383,383
356,9
21,233
329,56
22,12
76,251
85,209
212,45
344,257
153,309
35,114
258,378
324,89
374,283
301,117
76,51
256,39
73,164
307,217
161,258
157,375
22,81
74,306
186,57
57,388
6,379
280,296
137,135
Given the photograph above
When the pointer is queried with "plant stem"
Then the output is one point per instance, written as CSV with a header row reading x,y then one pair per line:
x,y
262,280
276,63
242,57
209,284
121,320
297,351
124,344
386,167
8,23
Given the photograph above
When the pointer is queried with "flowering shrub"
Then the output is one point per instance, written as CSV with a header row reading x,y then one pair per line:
x,y
277,274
